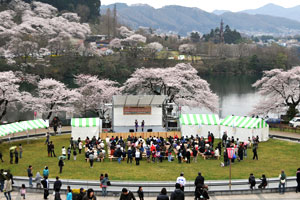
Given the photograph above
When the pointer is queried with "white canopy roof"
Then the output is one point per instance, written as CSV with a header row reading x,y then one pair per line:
x,y
138,100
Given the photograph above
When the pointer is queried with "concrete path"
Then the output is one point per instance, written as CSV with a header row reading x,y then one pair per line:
x,y
286,196
286,134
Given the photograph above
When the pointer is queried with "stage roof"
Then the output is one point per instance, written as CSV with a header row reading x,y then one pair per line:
x,y
138,100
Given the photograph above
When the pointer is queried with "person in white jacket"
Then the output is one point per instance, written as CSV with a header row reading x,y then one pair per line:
x,y
7,188
181,180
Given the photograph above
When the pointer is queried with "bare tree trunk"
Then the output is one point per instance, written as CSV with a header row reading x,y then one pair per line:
x,y
4,110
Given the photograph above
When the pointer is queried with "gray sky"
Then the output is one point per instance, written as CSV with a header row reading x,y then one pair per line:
x,y
210,5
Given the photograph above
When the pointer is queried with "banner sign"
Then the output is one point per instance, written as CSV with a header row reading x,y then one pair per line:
x,y
230,152
146,110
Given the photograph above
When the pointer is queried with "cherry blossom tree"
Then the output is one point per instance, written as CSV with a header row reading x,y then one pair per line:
x,y
181,84
10,93
95,93
280,91
125,32
152,48
115,43
27,22
134,44
53,96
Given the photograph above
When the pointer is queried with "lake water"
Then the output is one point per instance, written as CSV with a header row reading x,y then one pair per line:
x,y
235,93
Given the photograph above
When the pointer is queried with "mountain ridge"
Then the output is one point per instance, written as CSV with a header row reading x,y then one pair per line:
x,y
183,20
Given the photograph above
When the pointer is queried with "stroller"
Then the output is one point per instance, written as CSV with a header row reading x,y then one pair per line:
x,y
201,193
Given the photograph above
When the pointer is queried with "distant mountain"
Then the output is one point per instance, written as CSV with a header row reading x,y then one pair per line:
x,y
183,20
278,11
220,12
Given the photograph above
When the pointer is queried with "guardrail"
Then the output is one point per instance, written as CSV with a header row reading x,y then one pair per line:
x,y
153,188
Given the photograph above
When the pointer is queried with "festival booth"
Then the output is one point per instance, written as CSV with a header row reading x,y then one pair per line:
x,y
128,108
201,124
86,127
244,127
23,126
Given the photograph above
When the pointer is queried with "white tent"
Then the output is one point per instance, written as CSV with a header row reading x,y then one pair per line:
x,y
86,127
193,124
23,126
244,127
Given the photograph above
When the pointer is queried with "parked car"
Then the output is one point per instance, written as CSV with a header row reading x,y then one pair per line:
x,y
273,121
295,122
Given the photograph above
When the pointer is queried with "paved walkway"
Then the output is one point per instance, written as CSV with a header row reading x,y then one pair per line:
x,y
286,134
286,196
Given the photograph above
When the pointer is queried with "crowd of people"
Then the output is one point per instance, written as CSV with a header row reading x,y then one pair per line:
x,y
157,149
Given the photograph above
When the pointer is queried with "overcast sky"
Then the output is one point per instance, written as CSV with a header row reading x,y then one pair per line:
x,y
210,5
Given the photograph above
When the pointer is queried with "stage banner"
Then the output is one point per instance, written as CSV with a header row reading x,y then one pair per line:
x,y
130,110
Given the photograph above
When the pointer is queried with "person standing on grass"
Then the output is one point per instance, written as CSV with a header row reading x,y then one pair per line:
x,y
7,188
255,146
11,156
126,195
47,138
91,159
49,149
69,193
74,154
137,157
52,149
30,175
20,150
1,157
181,180
282,180
16,156
178,194
104,185
60,164
298,180
80,145
56,187
69,153
140,193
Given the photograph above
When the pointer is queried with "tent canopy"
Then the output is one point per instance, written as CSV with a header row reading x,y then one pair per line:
x,y
23,126
199,119
138,100
85,122
244,122
35,124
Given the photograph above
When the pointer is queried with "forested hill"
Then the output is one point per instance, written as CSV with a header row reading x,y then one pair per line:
x,y
185,19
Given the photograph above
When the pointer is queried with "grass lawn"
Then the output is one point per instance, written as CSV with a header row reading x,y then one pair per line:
x,y
274,155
